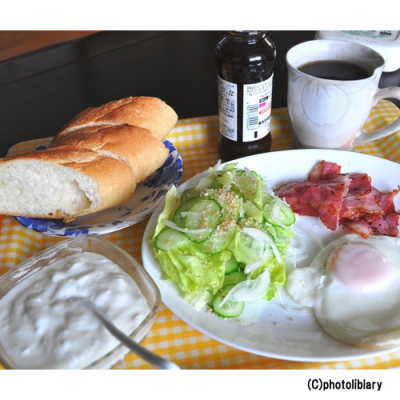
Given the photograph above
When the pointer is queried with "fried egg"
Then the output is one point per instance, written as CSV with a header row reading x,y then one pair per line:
x,y
353,287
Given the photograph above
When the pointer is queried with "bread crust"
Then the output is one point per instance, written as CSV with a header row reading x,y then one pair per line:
x,y
130,144
145,112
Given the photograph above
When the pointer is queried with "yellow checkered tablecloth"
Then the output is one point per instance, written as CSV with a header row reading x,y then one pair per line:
x,y
170,336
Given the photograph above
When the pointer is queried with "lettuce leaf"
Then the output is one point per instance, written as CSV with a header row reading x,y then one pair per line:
x,y
193,270
172,202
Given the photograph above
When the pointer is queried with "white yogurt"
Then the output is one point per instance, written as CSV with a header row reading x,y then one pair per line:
x,y
41,328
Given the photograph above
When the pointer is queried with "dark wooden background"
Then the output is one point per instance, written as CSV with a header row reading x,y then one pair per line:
x,y
43,89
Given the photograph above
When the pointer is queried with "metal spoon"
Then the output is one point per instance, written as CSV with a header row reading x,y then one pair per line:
x,y
148,356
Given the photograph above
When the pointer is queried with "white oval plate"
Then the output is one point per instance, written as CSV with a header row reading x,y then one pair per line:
x,y
267,328
148,195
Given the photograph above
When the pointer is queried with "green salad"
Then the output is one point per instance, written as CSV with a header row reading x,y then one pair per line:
x,y
223,242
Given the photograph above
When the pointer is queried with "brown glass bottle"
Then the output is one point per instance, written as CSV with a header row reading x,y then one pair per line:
x,y
245,62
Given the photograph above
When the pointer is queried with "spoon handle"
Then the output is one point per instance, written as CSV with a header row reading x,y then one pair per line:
x,y
142,352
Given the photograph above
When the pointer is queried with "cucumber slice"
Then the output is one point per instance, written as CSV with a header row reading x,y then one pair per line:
x,y
169,239
253,211
278,213
189,194
204,214
234,278
272,229
231,308
229,200
285,232
178,218
231,265
203,299
250,186
267,198
209,182
219,238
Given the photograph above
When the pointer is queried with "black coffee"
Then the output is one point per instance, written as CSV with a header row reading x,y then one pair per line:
x,y
336,70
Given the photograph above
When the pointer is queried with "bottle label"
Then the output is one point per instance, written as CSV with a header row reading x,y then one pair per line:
x,y
227,104
257,110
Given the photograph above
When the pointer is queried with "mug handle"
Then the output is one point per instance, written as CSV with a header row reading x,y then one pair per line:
x,y
386,93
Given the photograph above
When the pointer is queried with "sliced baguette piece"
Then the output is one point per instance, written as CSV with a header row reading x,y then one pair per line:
x,y
93,163
145,112
63,182
135,146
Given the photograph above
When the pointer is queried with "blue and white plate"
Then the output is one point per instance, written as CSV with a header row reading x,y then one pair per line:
x,y
148,195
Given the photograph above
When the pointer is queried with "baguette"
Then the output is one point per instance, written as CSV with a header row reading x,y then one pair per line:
x,y
62,182
94,162
132,145
145,112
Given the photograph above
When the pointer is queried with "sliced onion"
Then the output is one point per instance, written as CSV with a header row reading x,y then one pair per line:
x,y
263,237
241,207
310,232
251,289
298,251
216,166
214,170
251,267
191,213
172,225
266,187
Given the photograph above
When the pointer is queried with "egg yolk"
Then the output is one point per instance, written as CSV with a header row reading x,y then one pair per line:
x,y
362,267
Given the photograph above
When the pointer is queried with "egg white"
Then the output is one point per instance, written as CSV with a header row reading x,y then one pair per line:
x,y
367,318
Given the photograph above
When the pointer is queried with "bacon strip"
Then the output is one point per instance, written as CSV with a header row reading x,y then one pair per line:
x,y
358,206
360,184
386,225
385,200
349,200
324,171
321,198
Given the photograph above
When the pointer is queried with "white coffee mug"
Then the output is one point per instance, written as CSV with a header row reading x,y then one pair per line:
x,y
330,113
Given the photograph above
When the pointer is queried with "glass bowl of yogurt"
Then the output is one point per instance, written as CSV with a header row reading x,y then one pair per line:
x,y
42,326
